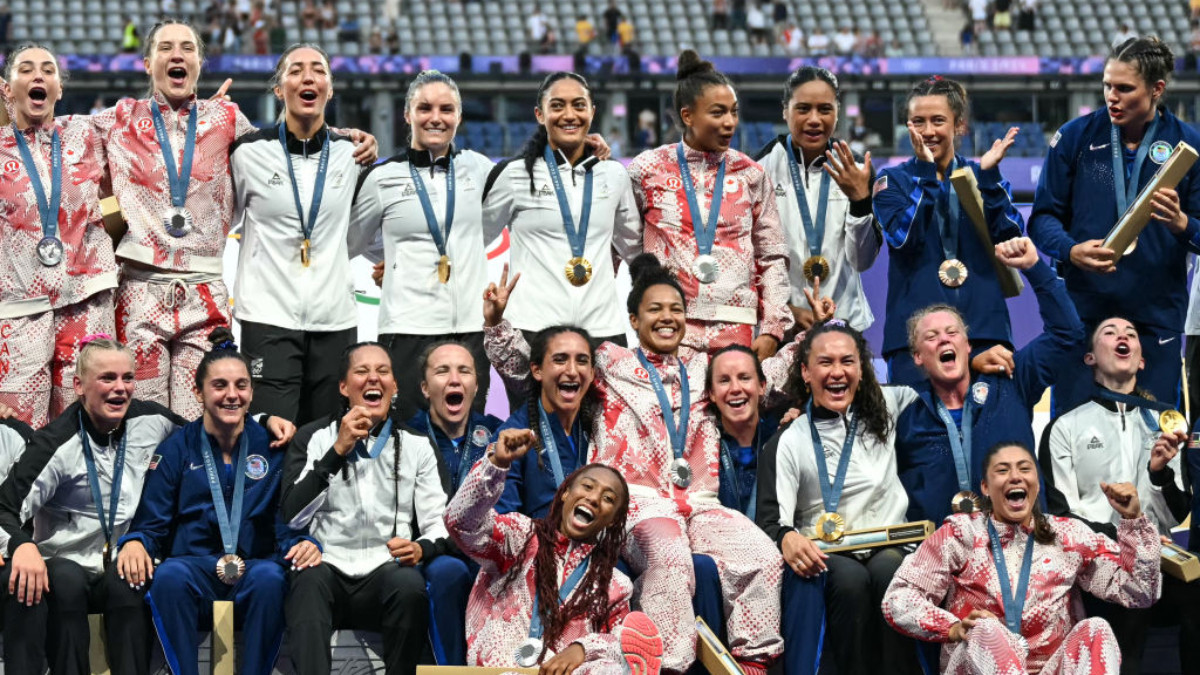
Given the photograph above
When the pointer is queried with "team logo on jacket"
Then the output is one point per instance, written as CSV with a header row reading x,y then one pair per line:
x,y
276,180
979,392
674,182
880,185
256,367
154,462
640,373
1160,151
480,436
409,191
256,467
1095,443
71,156
12,166
1057,137
339,179
144,124
545,191
731,185
779,190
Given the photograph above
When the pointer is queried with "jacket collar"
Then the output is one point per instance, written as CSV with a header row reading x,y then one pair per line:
x,y
423,159
311,146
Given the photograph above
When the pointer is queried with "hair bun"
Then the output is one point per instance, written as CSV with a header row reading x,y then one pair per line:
x,y
690,64
222,338
643,264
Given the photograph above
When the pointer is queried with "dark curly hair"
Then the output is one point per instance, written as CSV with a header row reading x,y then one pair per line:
x,y
869,403
1042,532
591,597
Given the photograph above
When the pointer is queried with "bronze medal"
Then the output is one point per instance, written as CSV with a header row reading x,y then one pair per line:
x,y
952,273
230,568
305,256
830,527
816,266
578,271
444,269
966,502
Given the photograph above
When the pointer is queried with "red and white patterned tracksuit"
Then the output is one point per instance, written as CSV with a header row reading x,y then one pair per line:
x,y
952,573
45,310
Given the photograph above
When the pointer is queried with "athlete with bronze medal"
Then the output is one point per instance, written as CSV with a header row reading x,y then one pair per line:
x,y
705,266
108,524
439,237
230,567
578,269
952,272
314,208
966,500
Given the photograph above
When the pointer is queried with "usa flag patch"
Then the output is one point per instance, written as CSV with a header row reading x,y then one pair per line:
x,y
880,186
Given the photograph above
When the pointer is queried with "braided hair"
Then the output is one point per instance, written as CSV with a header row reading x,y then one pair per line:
x,y
535,147
591,598
1149,56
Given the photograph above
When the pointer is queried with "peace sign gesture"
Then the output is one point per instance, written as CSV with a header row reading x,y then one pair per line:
x,y
495,298
823,308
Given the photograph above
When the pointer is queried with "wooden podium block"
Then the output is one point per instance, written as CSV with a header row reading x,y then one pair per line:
x,y
874,537
221,660
1180,563
715,657
1122,239
967,189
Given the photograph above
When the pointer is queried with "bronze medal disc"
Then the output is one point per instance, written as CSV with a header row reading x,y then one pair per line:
x,y
952,273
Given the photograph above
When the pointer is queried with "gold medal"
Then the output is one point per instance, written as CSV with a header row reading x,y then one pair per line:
x,y
830,527
1172,421
444,269
578,271
952,273
230,568
966,502
816,266
305,258
106,554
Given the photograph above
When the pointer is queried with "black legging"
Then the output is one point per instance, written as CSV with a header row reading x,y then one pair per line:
x,y
858,635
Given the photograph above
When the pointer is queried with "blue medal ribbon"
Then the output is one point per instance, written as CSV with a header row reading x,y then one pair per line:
x,y
229,521
306,226
1013,604
576,237
107,525
814,232
948,225
456,475
360,448
564,592
1127,193
550,447
831,494
705,234
960,441
439,239
47,208
676,432
178,181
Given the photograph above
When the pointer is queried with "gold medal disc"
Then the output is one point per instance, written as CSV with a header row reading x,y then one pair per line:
x,y
830,527
305,257
578,271
816,266
444,269
952,273
1172,421
966,502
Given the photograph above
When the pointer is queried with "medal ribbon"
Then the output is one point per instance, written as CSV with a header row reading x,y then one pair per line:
x,y
47,208
960,441
814,233
178,181
457,475
550,447
577,237
1143,404
318,184
431,222
564,592
705,235
831,494
727,463
1127,194
229,521
948,226
677,433
107,526
381,440
1013,604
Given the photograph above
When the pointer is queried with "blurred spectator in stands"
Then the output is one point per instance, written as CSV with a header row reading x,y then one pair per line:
x,y
615,146
329,15
874,46
349,30
277,34
1124,33
231,32
585,33
1027,18
536,26
979,14
261,37
756,23
612,18
737,17
375,41
168,8
818,42
309,14
549,43
858,135
131,43
860,42
213,11
894,49
393,42
1002,18
720,15
5,26
98,106
792,39
1190,63
966,38
258,11
391,11
625,34
645,137
779,13
843,42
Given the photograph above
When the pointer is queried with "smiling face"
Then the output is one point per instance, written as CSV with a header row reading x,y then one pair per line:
x,y
937,125
565,373
450,385
661,319
1011,482
105,387
174,63
304,84
34,86
433,115
712,119
736,389
226,393
369,382
566,111
1116,350
942,349
591,504
811,117
1127,95
833,371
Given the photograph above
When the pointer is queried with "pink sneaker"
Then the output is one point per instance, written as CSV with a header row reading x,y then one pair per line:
x,y
641,644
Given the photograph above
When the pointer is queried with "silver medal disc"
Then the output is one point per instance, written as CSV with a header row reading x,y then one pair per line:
x,y
705,268
50,251
527,654
178,222
681,473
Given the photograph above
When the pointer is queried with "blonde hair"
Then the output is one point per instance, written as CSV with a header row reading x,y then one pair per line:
x,y
88,349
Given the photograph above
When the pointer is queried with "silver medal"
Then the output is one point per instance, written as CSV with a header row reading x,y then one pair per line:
x,y
527,654
705,268
178,222
681,473
50,251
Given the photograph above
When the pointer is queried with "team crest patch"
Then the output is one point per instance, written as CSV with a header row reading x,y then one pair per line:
x,y
144,124
880,186
1160,151
256,367
154,462
339,179
674,182
979,392
1194,442
1057,136
731,185
480,436
256,467
70,156
276,180
12,166
640,373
